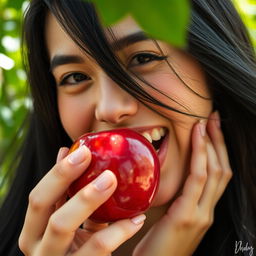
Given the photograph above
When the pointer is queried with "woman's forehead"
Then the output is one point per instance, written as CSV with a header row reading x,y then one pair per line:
x,y
124,27
57,40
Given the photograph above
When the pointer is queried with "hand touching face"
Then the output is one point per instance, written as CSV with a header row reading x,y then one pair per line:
x,y
89,100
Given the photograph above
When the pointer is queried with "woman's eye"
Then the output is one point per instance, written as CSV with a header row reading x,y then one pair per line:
x,y
74,78
144,58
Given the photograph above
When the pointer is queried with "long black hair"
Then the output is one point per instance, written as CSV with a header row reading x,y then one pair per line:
x,y
217,39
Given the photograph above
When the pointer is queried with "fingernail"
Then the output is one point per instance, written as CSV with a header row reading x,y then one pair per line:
x,y
78,156
103,181
202,127
217,119
138,219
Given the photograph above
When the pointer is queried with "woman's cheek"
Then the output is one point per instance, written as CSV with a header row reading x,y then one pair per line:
x,y
76,114
177,95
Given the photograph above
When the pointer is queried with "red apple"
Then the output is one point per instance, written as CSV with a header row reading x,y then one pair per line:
x,y
133,160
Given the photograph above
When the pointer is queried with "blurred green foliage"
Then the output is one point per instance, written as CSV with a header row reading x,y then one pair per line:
x,y
247,11
14,95
14,100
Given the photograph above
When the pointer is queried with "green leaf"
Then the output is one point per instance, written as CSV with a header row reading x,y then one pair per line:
x,y
165,20
111,11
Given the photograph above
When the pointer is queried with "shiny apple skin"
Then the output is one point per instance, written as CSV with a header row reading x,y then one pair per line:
x,y
133,160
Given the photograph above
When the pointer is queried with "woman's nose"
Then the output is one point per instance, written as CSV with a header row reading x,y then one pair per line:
x,y
114,105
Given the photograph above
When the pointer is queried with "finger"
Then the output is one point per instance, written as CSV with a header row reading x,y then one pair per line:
x,y
195,182
62,153
66,220
218,142
92,227
84,233
105,241
214,173
61,201
49,190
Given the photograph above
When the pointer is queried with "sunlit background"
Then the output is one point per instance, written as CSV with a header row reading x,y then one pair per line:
x,y
14,98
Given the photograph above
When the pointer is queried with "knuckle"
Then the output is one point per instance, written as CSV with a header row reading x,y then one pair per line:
x,y
100,244
56,225
217,171
202,223
86,197
205,223
22,243
125,229
35,200
228,173
60,172
186,222
211,220
201,177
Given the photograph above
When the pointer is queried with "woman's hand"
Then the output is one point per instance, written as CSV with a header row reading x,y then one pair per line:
x,y
182,228
52,225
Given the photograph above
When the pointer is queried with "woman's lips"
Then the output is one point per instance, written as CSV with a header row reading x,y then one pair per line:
x,y
163,150
155,133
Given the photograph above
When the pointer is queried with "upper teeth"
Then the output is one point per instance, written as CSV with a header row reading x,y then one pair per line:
x,y
154,134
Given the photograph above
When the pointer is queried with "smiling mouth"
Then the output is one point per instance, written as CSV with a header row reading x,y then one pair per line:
x,y
155,136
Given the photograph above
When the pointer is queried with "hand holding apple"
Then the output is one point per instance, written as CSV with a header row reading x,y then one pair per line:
x,y
133,160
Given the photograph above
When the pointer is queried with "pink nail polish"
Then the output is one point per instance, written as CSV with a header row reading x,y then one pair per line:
x,y
103,181
78,156
138,219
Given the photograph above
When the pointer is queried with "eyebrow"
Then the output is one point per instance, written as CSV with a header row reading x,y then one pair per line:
x,y
123,42
116,45
59,60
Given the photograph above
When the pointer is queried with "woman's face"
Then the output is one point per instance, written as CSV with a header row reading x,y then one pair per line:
x,y
88,100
